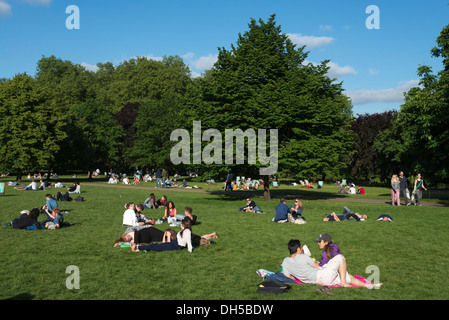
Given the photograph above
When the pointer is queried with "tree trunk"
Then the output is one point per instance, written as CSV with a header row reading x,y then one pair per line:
x,y
19,176
266,188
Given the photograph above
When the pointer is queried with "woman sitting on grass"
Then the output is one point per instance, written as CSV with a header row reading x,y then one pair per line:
x,y
170,211
150,203
162,202
330,251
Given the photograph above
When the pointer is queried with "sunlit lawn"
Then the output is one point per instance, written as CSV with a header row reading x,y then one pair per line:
x,y
409,252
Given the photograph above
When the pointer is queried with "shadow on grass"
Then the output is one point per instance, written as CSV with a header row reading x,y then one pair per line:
x,y
279,192
22,296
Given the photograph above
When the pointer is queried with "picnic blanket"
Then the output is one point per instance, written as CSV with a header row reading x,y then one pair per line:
x,y
337,285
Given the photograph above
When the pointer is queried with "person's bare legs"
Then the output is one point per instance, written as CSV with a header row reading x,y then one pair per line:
x,y
210,236
342,269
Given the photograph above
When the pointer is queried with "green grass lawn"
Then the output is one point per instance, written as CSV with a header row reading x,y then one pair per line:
x,y
409,252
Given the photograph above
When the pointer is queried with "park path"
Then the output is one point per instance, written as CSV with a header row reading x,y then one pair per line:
x,y
258,193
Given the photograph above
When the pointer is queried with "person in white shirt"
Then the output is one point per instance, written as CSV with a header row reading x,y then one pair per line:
x,y
129,216
31,186
183,240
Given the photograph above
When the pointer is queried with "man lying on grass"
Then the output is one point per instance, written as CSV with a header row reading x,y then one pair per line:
x,y
346,216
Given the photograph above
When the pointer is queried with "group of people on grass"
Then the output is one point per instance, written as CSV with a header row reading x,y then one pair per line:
x,y
399,188
300,267
54,218
294,213
142,235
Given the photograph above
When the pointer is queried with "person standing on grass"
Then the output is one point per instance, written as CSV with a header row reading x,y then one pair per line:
x,y
418,188
158,178
395,185
403,187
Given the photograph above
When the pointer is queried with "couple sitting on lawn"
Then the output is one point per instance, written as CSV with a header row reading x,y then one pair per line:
x,y
301,268
293,214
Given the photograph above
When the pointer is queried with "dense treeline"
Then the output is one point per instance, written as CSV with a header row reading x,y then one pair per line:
x,y
68,118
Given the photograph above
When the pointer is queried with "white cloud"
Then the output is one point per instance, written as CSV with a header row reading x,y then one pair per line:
x,y
90,67
38,2
151,57
310,41
5,9
364,96
326,28
194,74
335,70
202,63
373,72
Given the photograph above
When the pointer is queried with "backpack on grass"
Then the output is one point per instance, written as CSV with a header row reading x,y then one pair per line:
x,y
272,286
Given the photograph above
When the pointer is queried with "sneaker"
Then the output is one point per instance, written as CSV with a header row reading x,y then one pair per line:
x,y
263,273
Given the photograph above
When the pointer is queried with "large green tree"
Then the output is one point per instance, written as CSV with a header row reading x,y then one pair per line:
x,y
32,127
262,82
140,80
154,123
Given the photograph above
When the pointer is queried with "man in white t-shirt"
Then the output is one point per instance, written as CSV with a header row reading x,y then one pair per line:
x,y
31,186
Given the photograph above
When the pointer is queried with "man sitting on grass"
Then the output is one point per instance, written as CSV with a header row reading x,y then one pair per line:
x,y
282,211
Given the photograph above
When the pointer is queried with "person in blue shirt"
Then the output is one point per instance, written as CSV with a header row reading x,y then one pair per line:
x,y
50,204
282,211
57,221
296,209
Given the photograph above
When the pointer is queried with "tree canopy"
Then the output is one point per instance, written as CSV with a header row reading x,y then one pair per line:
x,y
122,116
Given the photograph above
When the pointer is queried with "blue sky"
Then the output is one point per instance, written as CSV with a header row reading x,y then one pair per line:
x,y
375,65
